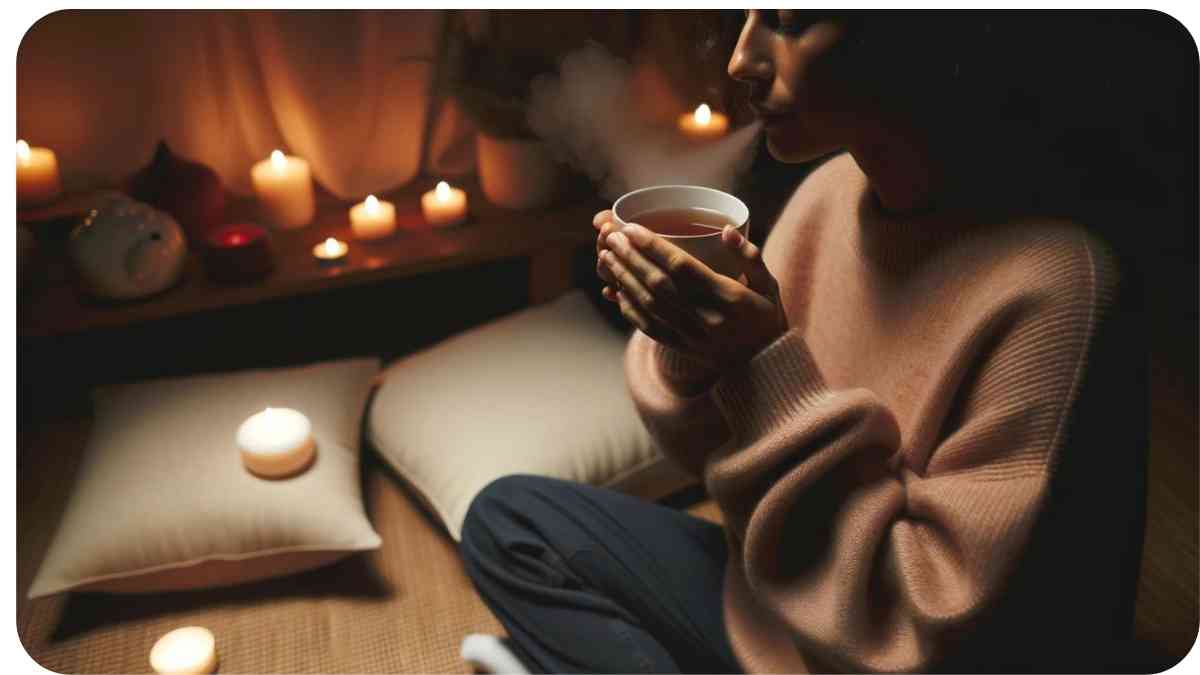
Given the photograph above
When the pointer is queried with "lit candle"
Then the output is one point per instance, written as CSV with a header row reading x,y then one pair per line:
x,y
191,650
37,175
373,219
703,123
238,252
444,205
284,188
276,442
330,250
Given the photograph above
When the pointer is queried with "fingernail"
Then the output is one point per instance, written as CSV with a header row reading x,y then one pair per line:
x,y
617,240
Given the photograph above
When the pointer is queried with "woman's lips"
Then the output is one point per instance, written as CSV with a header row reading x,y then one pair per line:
x,y
769,117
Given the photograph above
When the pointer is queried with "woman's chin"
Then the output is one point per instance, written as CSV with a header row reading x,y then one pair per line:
x,y
794,148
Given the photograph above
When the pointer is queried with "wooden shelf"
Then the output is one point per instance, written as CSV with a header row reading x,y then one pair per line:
x,y
492,233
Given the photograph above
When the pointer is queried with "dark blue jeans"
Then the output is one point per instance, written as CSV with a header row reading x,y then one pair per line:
x,y
590,580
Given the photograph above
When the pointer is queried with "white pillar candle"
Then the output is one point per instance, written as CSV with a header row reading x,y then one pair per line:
x,y
444,205
703,124
191,650
330,250
37,175
276,442
373,218
283,185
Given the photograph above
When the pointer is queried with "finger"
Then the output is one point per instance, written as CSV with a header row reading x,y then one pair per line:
x,y
601,218
609,293
758,277
602,269
662,307
687,272
653,279
637,317
605,229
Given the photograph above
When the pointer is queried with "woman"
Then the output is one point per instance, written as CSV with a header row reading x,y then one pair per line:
x,y
912,408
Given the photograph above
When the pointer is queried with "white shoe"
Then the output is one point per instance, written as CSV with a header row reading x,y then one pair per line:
x,y
489,654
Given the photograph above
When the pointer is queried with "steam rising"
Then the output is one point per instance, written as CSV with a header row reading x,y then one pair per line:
x,y
586,118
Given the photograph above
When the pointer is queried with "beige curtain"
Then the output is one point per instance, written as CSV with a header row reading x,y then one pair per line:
x,y
349,91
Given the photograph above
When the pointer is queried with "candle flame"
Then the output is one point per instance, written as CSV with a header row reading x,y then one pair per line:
x,y
371,204
443,191
278,160
23,151
331,246
703,114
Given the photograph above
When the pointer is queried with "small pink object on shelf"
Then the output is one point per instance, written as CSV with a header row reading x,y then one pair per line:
x,y
238,252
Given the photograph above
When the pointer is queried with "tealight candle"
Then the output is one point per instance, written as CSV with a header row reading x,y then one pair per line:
x,y
331,250
373,218
37,175
444,205
276,442
703,124
190,650
283,185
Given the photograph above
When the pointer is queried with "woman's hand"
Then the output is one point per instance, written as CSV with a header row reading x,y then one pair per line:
x,y
679,301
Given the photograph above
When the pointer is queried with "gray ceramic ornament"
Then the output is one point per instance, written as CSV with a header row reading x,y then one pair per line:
x,y
125,249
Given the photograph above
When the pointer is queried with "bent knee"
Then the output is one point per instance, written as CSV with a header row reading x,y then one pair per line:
x,y
499,503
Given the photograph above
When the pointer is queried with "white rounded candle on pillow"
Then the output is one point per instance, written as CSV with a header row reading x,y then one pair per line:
x,y
276,442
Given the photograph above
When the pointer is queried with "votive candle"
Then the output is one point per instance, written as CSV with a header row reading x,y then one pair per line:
x,y
373,218
38,181
703,124
283,185
444,205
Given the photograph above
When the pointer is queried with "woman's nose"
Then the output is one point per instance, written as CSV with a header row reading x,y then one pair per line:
x,y
750,61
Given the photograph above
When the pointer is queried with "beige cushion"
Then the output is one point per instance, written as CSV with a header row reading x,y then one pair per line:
x,y
541,391
162,501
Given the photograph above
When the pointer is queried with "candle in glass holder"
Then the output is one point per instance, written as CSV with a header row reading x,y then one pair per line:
x,y
276,443
238,252
444,205
703,124
283,185
373,218
37,175
331,250
190,650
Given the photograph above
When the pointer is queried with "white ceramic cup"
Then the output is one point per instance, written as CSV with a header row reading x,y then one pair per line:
x,y
706,248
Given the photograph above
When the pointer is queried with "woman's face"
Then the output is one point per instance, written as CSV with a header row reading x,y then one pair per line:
x,y
785,57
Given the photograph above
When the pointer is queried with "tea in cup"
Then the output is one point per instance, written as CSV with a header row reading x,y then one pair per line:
x,y
690,217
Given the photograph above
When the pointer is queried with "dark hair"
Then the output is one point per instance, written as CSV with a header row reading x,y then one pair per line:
x,y
1083,114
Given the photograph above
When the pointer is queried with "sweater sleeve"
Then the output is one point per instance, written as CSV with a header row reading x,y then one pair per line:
x,y
874,554
673,395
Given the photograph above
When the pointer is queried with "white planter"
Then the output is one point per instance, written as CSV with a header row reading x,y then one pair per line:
x,y
515,173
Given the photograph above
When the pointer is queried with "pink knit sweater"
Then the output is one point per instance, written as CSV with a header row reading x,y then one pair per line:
x,y
880,467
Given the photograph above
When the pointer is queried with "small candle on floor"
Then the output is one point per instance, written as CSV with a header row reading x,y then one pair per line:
x,y
331,250
373,218
190,650
444,205
703,124
276,443
37,175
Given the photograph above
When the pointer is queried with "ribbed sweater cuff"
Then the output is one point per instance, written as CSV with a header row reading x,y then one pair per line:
x,y
780,382
682,371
